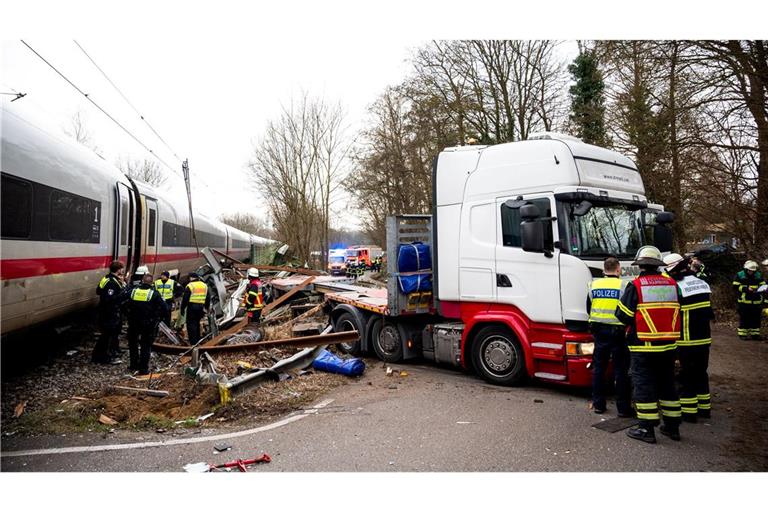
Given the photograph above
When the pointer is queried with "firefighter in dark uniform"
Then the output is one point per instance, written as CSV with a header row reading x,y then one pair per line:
x,y
194,303
650,306
168,289
695,338
254,296
145,308
698,268
750,301
111,295
610,342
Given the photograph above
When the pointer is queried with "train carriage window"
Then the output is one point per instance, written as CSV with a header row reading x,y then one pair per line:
x,y
16,218
74,218
124,221
151,230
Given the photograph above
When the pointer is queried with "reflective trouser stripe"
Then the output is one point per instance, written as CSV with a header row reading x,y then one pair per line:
x,y
670,408
689,405
647,411
704,401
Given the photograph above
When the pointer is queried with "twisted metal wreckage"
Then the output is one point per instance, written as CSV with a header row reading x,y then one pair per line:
x,y
229,329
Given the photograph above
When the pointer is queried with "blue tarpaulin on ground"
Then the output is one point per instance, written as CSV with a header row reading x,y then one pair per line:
x,y
331,363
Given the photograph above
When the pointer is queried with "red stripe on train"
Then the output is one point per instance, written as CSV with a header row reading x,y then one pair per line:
x,y
31,267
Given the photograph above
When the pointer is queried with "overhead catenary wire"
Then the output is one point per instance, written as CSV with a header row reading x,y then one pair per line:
x,y
102,110
141,116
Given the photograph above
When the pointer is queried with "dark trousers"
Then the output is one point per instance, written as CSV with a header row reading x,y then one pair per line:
x,y
610,344
749,319
694,380
254,316
194,315
167,315
105,347
140,339
653,379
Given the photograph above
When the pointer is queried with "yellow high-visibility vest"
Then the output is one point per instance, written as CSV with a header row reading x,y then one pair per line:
x,y
605,293
142,294
198,292
165,288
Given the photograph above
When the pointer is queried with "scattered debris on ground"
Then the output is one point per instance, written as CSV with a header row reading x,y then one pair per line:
x,y
269,366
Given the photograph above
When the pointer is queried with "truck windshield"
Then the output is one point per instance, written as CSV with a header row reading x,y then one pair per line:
x,y
605,230
336,259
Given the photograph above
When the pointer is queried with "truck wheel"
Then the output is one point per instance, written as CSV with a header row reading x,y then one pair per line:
x,y
387,342
497,356
347,322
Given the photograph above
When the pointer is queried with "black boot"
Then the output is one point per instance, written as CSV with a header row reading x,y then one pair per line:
x,y
689,418
672,432
642,434
704,413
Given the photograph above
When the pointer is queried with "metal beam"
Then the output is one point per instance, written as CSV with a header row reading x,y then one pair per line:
x,y
304,341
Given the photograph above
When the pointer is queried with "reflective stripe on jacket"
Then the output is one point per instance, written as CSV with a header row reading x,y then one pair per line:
x,y
142,294
742,282
657,317
198,291
696,312
605,294
165,288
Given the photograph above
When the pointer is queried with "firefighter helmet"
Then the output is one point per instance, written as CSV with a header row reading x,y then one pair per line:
x,y
253,272
672,260
750,265
648,255
142,270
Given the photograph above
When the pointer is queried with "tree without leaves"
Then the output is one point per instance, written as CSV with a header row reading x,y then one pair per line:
x,y
78,130
145,170
296,166
249,223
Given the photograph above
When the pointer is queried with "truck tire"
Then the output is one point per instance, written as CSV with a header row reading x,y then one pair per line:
x,y
498,357
387,340
347,322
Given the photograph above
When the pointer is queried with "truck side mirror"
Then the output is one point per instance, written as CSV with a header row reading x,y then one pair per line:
x,y
662,233
531,229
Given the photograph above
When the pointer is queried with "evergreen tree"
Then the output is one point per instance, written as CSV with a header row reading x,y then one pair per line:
x,y
587,99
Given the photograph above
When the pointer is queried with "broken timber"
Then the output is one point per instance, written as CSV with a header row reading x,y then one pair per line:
x,y
304,341
140,391
275,268
283,298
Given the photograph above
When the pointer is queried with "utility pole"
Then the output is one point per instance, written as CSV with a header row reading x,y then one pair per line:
x,y
185,170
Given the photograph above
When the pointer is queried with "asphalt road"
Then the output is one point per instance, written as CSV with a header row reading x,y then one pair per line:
x,y
437,419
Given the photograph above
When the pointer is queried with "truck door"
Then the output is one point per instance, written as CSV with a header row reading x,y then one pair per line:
x,y
124,226
528,280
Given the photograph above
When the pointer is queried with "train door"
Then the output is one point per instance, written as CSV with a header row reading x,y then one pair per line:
x,y
151,241
124,226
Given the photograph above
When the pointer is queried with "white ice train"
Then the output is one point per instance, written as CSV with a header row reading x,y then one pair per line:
x,y
67,213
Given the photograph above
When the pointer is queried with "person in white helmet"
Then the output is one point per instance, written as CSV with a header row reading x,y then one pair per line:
x,y
254,296
650,306
695,338
138,275
750,302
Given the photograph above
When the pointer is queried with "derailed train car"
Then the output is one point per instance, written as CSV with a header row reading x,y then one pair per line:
x,y
67,213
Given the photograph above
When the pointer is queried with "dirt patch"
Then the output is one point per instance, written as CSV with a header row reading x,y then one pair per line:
x,y
70,393
737,382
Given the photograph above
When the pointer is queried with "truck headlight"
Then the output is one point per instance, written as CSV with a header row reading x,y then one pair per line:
x,y
577,348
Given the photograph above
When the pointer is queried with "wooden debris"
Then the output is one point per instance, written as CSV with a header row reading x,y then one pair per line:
x,y
106,420
307,328
305,341
151,375
274,268
283,298
82,398
140,391
19,410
